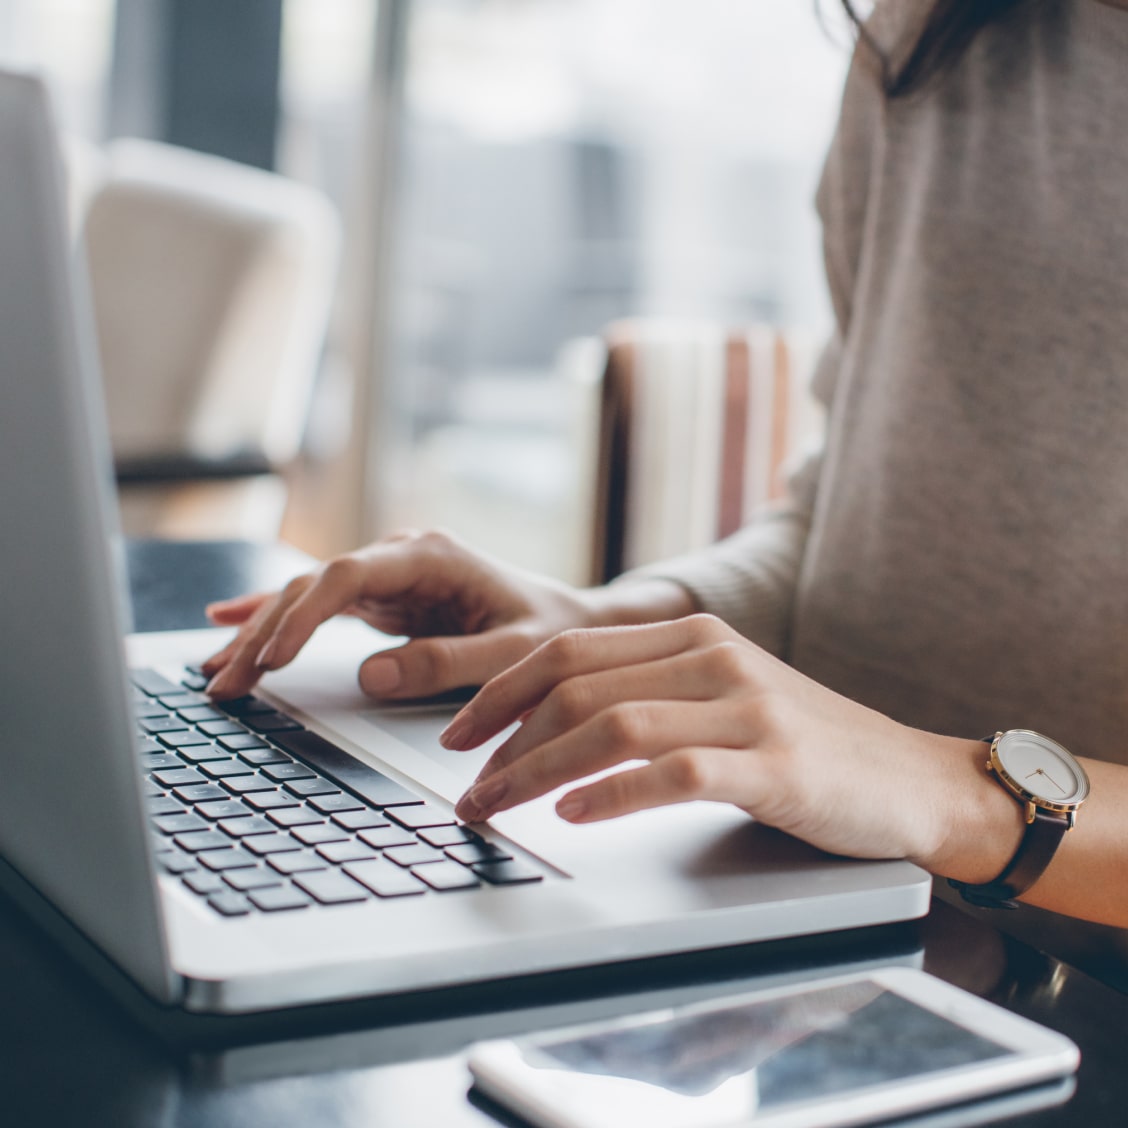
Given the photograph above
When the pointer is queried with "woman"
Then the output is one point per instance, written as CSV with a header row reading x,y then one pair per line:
x,y
950,565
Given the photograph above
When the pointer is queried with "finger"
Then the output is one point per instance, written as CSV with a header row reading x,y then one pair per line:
x,y
338,585
680,678
631,731
385,571
426,666
569,655
231,612
240,670
682,776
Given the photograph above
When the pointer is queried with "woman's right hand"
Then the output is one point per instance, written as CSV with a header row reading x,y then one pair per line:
x,y
467,616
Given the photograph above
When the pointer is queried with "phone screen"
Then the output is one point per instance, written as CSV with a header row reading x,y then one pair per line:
x,y
760,1056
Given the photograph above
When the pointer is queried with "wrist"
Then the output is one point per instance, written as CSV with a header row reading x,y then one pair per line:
x,y
632,602
980,825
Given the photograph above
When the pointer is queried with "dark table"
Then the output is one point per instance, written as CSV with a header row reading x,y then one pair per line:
x,y
75,1053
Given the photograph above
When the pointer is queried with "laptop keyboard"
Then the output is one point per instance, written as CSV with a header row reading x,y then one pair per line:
x,y
253,812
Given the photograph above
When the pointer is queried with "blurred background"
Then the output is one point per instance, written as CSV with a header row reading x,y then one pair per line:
x,y
355,261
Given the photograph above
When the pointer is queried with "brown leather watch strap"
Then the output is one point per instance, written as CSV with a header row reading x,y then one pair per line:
x,y
1034,854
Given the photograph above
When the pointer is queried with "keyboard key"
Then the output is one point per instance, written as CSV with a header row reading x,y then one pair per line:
x,y
178,777
322,832
271,722
245,706
199,714
294,816
359,820
225,769
179,824
507,873
308,787
383,837
193,679
152,683
329,804
293,770
201,753
145,746
262,756
338,852
447,876
242,784
417,854
443,836
160,760
181,700
279,899
223,809
231,858
303,862
150,790
182,739
241,740
163,723
173,861
348,771
251,824
384,879
330,887
244,879
419,815
220,728
164,805
202,840
204,883
148,707
230,903
271,800
263,844
470,852
201,793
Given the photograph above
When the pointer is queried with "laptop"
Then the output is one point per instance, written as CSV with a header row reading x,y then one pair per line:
x,y
298,847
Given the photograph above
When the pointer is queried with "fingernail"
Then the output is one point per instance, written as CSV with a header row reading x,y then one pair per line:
x,y
456,735
381,675
484,797
265,660
571,807
215,685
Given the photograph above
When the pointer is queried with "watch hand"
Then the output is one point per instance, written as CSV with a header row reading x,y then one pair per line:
x,y
1043,772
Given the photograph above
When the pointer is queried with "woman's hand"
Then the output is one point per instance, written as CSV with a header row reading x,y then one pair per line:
x,y
468,616
713,717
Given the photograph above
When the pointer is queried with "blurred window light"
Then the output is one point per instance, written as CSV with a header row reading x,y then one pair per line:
x,y
70,41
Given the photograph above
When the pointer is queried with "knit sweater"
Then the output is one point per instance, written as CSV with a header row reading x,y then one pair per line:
x,y
957,553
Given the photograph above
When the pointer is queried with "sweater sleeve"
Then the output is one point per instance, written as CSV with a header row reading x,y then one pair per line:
x,y
749,579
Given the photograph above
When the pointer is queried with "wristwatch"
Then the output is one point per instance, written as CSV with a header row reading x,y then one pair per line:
x,y
1051,785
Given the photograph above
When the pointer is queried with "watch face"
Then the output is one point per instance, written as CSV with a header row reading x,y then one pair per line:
x,y
1042,768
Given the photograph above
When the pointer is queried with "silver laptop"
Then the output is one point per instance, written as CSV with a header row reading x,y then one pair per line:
x,y
301,847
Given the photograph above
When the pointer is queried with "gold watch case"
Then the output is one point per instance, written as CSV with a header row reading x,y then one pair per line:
x,y
1039,772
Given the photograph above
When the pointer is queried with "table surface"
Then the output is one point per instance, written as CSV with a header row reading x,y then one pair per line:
x,y
72,1054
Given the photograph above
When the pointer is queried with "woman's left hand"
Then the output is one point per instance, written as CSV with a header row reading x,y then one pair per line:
x,y
711,716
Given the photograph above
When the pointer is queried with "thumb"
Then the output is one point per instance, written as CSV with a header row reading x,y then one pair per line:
x,y
426,666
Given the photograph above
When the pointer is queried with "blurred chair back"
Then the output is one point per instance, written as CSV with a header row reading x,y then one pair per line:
x,y
212,284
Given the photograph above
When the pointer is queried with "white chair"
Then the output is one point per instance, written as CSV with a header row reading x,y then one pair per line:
x,y
212,285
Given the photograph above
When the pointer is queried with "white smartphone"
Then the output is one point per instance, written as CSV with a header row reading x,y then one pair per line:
x,y
841,1051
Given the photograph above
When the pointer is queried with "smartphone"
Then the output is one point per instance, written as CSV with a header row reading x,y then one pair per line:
x,y
850,1050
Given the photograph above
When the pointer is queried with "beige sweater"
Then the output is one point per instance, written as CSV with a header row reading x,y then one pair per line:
x,y
957,555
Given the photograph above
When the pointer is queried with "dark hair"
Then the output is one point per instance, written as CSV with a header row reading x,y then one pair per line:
x,y
948,29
